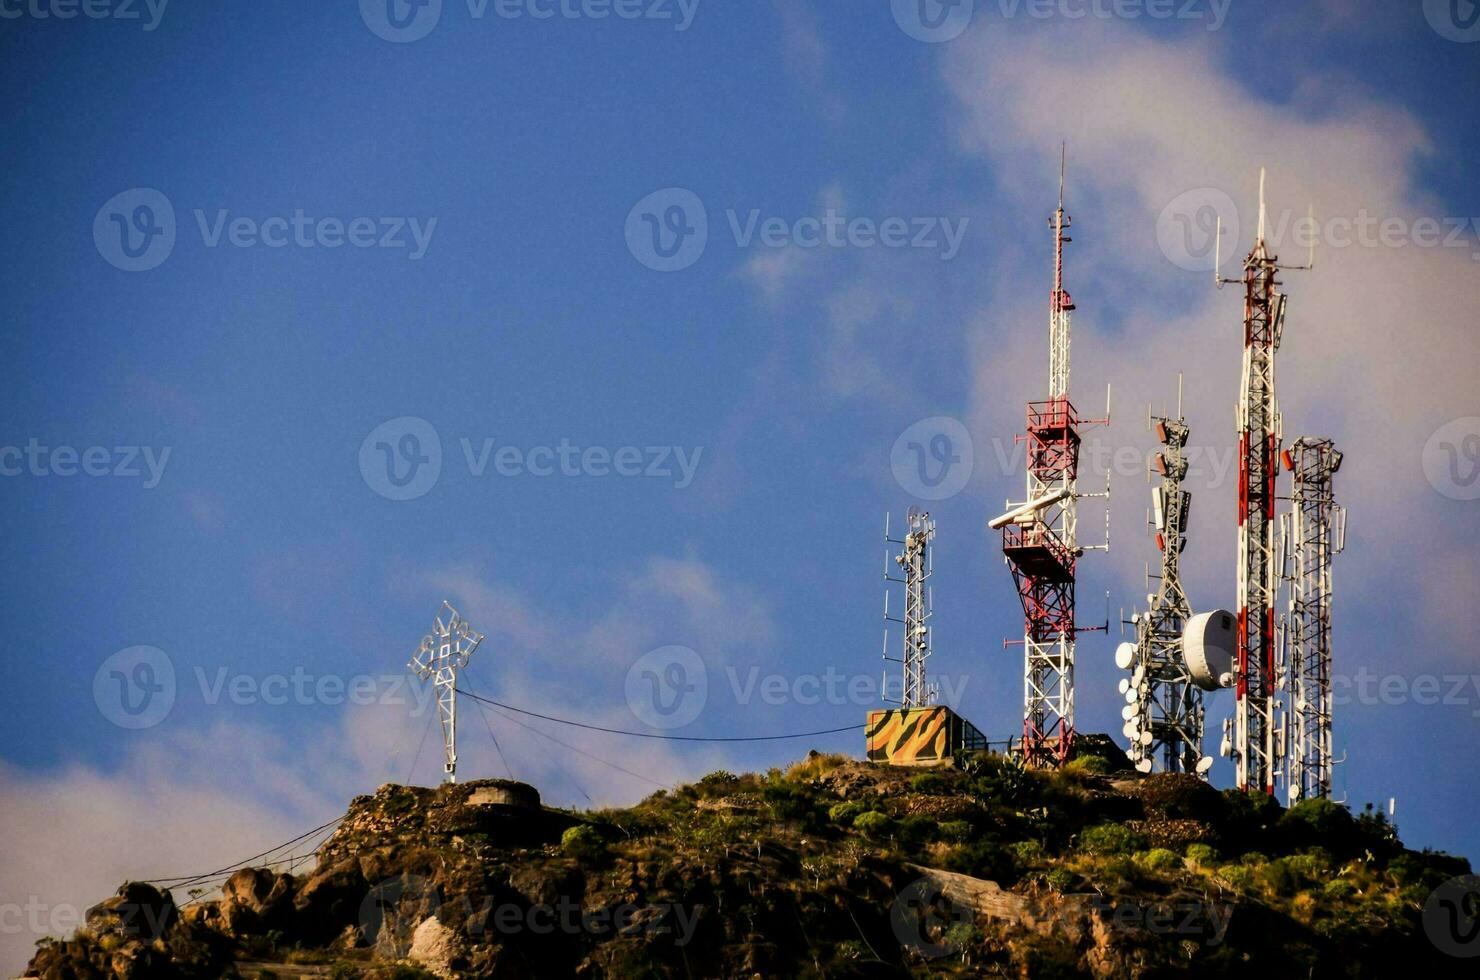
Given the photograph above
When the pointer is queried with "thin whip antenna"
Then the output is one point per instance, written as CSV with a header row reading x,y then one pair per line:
x,y
1261,204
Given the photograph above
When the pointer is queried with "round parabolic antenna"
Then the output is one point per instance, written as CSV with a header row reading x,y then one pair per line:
x,y
1143,766
1204,764
1124,654
1208,642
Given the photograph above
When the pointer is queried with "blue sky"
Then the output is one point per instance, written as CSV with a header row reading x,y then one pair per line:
x,y
788,373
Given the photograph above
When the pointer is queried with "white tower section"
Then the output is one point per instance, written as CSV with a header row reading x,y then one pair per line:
x,y
916,561
443,652
1314,532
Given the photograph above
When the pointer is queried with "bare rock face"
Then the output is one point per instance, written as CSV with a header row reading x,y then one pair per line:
x,y
436,948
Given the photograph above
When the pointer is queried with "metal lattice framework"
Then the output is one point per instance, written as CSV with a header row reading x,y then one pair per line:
x,y
443,652
1168,706
1039,539
1256,744
1314,532
916,561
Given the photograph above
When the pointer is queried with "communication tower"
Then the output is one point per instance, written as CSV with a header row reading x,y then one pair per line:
x,y
1312,533
443,652
916,561
1040,536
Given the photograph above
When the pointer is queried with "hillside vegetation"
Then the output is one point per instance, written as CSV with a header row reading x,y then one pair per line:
x,y
831,868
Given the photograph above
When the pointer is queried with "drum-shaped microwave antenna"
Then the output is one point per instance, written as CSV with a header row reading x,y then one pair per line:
x,y
1208,642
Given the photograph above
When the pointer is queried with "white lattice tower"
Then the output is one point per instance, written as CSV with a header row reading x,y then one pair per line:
x,y
915,561
443,652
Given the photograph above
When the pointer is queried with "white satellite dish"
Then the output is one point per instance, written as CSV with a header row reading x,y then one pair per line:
x,y
1208,643
1204,764
1146,738
1144,766
1129,730
1139,677
1128,712
1125,684
1131,696
1125,655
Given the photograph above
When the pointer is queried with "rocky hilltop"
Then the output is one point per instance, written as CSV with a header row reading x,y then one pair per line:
x,y
831,868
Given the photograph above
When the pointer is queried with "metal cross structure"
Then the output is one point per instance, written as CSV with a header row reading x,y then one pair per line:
x,y
1164,716
443,652
917,561
1312,534
1256,743
1039,537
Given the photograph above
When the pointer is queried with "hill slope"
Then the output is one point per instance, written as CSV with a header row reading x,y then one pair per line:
x,y
832,868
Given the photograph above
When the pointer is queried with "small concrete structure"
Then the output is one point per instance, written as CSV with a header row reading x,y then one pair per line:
x,y
503,792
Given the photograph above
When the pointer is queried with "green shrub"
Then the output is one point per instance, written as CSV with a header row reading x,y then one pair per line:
x,y
1110,838
1087,765
957,831
1254,859
917,829
1339,890
982,859
932,783
845,812
873,823
1159,859
1027,853
1060,879
581,842
721,782
789,802
1281,877
1237,875
1202,855
344,971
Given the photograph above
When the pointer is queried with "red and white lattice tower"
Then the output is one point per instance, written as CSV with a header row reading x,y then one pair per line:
x,y
1039,536
1257,740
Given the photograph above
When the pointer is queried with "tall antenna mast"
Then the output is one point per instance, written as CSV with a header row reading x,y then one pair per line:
x,y
1164,713
443,652
1315,532
1039,535
916,560
1256,743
